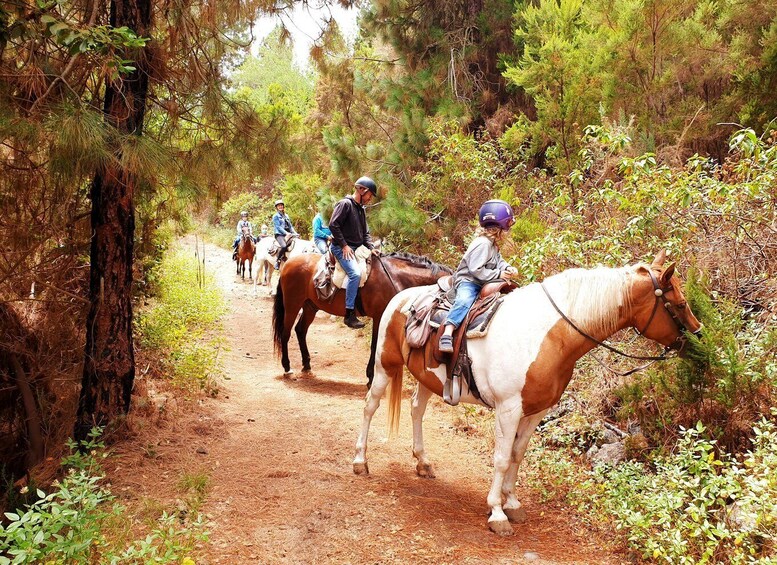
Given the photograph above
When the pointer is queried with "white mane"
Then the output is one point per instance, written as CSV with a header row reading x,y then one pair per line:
x,y
595,298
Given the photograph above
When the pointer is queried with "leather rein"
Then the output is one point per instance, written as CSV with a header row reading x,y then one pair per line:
x,y
660,297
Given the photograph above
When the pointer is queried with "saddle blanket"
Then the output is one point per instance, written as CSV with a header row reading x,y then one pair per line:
x,y
329,278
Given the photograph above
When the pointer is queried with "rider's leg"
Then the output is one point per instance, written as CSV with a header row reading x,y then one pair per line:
x,y
321,245
281,239
351,268
234,248
466,294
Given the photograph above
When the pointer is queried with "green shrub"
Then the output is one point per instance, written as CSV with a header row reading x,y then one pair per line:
x,y
181,320
72,524
696,505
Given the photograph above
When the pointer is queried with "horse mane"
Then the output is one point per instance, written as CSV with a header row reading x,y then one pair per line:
x,y
595,297
420,261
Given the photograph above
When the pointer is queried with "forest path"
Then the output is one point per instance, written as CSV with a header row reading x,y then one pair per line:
x,y
278,453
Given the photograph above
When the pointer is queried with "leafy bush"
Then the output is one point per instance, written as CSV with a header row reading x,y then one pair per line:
x,y
179,324
71,524
696,505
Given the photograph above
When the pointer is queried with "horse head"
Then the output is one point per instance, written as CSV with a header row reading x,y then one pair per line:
x,y
659,308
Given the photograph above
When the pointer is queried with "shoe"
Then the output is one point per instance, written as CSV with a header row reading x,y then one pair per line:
x,y
234,256
277,266
351,320
446,343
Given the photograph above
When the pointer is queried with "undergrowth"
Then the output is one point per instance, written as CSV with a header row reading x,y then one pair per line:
x,y
181,323
79,521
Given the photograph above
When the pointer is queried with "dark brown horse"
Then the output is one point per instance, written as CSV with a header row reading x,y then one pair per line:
x,y
390,274
246,250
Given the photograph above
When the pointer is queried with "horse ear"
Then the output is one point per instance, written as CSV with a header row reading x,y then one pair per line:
x,y
667,273
660,258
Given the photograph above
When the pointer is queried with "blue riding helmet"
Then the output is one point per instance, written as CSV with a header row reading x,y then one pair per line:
x,y
496,213
369,184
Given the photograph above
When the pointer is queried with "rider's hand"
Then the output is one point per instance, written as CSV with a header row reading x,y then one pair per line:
x,y
348,253
506,274
375,252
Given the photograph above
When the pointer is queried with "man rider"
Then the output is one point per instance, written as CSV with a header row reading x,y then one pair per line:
x,y
349,231
243,221
283,230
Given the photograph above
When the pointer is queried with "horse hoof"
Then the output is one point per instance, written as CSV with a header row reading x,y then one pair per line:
x,y
307,370
517,515
425,470
361,469
501,527
288,372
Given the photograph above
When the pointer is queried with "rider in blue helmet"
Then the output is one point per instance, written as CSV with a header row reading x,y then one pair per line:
x,y
348,225
482,263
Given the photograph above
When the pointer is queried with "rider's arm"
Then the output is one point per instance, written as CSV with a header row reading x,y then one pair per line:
x,y
277,223
479,261
340,214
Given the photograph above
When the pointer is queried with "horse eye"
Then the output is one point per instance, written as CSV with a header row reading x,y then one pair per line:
x,y
682,305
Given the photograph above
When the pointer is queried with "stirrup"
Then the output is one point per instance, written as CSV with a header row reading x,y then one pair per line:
x,y
451,390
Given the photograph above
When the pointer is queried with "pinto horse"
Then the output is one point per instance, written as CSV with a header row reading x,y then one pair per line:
x,y
246,250
389,275
524,363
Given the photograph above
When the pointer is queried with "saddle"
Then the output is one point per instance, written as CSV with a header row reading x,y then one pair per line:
x,y
425,318
291,240
330,276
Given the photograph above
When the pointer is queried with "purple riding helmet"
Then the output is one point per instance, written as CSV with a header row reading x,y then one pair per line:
x,y
496,213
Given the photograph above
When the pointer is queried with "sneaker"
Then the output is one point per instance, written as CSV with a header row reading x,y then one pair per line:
x,y
446,343
234,256
277,265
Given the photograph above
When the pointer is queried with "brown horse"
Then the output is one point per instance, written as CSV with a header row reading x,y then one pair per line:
x,y
246,250
524,363
390,274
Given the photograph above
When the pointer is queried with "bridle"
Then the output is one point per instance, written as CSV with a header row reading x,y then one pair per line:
x,y
660,294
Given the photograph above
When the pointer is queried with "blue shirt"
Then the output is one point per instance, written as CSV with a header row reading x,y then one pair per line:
x,y
320,231
282,224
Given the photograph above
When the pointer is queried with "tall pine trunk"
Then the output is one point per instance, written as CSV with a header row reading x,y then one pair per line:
x,y
109,366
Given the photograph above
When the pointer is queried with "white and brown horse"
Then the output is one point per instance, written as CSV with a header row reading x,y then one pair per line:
x,y
524,363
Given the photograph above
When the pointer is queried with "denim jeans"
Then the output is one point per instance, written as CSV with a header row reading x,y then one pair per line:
x,y
466,293
351,268
321,245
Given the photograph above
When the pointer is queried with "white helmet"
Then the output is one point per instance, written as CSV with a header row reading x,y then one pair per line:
x,y
244,214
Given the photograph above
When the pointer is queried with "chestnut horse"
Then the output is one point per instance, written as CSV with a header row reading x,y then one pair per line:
x,y
524,363
246,250
390,274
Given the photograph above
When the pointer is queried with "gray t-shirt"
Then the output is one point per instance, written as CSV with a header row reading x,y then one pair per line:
x,y
482,262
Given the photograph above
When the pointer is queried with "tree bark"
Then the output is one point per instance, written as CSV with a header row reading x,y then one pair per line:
x,y
109,365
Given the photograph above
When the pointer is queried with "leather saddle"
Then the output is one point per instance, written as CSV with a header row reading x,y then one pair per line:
x,y
427,315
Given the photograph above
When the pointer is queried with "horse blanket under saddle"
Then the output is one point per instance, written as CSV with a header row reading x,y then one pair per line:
x,y
425,317
330,276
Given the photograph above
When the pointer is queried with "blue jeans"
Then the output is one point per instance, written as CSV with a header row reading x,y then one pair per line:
x,y
351,268
466,294
322,245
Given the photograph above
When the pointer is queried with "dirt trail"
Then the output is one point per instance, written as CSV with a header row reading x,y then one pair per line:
x,y
278,453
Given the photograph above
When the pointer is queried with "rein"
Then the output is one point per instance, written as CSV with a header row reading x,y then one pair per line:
x,y
652,359
391,280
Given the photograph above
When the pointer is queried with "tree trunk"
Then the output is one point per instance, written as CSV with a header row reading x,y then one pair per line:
x,y
109,365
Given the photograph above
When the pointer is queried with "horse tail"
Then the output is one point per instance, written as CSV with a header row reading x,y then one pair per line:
x,y
395,401
278,319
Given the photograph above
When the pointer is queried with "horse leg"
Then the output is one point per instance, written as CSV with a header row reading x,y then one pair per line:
x,y
418,403
290,316
508,415
301,329
512,506
250,266
373,346
379,385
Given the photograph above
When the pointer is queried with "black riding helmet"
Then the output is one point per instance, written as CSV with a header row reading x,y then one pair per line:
x,y
369,184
